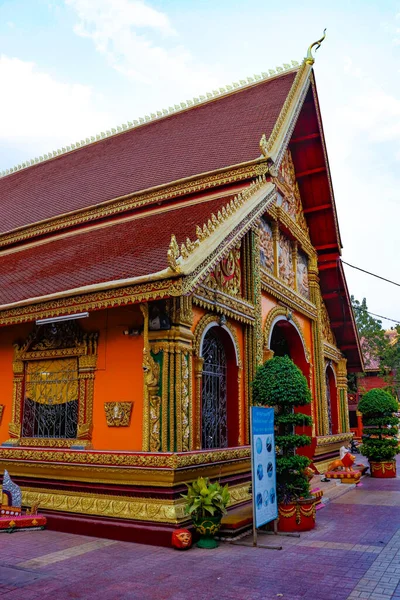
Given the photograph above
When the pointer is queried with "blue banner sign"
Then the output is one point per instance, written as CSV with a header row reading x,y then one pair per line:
x,y
265,506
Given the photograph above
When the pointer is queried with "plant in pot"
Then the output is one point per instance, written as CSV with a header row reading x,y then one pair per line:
x,y
206,503
279,383
380,427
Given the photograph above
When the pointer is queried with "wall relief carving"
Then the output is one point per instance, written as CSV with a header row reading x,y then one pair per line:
x,y
285,260
266,246
227,276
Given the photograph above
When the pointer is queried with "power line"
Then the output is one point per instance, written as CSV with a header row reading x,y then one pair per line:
x,y
375,315
373,275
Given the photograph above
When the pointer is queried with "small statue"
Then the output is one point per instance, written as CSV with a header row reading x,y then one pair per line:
x,y
182,539
343,464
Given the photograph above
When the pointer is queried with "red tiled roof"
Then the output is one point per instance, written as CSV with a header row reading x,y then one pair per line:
x,y
123,250
218,134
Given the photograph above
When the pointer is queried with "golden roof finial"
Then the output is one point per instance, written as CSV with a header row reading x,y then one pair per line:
x,y
309,58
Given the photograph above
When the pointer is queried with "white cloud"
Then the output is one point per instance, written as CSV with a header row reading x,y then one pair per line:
x,y
39,112
124,31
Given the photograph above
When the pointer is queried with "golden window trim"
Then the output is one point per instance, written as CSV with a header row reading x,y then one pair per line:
x,y
85,350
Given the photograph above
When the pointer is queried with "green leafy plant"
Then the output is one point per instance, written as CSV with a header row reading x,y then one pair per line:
x,y
280,383
205,498
380,425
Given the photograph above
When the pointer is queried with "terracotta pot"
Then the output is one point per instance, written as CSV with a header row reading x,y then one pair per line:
x,y
383,468
298,516
207,528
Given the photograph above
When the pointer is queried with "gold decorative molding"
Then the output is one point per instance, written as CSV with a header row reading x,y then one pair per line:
x,y
91,301
198,183
177,257
119,507
172,460
118,414
222,303
334,439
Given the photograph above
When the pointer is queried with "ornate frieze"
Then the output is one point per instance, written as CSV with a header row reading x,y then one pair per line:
x,y
118,414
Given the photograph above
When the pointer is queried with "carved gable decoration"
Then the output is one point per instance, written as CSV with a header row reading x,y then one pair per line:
x,y
291,201
326,325
302,275
266,246
285,260
227,275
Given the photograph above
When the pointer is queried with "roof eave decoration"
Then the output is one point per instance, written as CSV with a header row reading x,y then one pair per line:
x,y
274,148
185,259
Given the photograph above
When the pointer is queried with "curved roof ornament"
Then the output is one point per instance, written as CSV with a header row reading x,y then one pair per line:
x,y
309,58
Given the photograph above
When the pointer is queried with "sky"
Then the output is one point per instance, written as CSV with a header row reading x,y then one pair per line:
x,y
70,69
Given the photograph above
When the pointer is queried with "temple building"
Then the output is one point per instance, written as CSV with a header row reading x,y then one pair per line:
x,y
144,275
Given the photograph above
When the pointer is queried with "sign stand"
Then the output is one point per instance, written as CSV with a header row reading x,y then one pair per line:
x,y
263,474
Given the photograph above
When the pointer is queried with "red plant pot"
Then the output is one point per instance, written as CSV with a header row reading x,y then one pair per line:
x,y
383,469
299,516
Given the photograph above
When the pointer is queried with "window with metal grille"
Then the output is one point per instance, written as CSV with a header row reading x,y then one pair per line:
x,y
51,399
214,393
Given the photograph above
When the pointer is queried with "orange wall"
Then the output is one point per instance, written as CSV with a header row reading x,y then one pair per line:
x,y
119,375
8,335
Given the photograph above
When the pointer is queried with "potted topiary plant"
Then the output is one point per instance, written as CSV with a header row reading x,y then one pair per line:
x,y
279,383
380,426
206,503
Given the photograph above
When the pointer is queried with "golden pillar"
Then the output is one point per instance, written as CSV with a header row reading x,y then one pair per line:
x,y
322,425
344,419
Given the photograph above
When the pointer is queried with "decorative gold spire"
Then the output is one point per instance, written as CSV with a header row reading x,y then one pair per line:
x,y
309,58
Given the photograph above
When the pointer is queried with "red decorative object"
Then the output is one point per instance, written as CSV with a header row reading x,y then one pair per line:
x,y
182,539
384,469
297,517
348,460
22,522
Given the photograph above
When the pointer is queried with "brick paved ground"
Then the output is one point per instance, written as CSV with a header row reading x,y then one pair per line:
x,y
353,553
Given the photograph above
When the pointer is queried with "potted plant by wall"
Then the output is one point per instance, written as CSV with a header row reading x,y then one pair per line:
x,y
380,426
206,503
279,383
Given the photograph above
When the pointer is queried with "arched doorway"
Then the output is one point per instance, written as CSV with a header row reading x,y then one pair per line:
x,y
331,399
285,340
219,390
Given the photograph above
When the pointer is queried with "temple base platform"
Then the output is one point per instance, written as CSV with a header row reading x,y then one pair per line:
x,y
121,495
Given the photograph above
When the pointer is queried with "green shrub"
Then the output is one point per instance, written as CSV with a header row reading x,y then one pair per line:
x,y
279,383
380,425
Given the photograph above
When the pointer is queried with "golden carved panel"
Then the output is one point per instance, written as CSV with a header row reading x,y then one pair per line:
x,y
227,275
118,414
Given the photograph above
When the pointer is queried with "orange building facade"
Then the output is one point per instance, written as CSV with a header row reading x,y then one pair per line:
x,y
138,301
